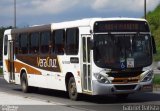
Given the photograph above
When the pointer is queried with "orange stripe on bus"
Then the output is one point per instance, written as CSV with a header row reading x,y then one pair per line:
x,y
7,65
30,70
18,66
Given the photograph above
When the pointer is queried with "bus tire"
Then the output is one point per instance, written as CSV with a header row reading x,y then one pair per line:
x,y
24,83
72,89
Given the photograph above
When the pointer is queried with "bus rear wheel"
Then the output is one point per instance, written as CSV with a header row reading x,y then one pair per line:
x,y
72,89
24,83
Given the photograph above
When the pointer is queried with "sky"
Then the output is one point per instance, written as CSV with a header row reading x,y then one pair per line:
x,y
36,12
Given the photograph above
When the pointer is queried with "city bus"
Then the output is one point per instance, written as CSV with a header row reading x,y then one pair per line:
x,y
94,56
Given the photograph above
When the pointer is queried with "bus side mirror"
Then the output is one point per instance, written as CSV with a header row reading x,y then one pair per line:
x,y
154,45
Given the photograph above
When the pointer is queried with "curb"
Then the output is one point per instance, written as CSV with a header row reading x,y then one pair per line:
x,y
156,87
1,76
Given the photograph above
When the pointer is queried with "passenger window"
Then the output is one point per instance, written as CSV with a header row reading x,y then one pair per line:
x,y
16,44
45,40
34,43
58,41
5,44
72,41
23,43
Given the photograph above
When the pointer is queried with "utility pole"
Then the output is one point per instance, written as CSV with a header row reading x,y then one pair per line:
x,y
145,9
14,13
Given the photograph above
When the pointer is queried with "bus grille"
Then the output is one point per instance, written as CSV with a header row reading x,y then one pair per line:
x,y
126,80
125,87
125,77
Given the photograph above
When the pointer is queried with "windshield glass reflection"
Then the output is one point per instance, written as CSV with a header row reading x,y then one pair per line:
x,y
122,51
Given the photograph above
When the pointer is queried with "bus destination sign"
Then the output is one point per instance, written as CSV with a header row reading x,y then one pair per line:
x,y
120,26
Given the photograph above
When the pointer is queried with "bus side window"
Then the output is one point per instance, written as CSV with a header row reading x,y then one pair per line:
x,y
23,43
5,44
59,38
45,42
34,43
16,43
72,41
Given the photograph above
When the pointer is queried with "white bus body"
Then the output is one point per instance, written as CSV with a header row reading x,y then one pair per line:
x,y
77,66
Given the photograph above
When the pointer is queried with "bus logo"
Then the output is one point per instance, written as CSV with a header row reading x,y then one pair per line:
x,y
46,62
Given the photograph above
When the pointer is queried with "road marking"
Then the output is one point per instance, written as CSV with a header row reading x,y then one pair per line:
x,y
31,98
79,108
48,101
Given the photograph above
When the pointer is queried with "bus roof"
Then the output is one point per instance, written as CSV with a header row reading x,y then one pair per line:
x,y
7,32
67,24
32,29
88,22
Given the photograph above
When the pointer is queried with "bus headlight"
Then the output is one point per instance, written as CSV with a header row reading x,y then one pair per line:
x,y
148,77
101,78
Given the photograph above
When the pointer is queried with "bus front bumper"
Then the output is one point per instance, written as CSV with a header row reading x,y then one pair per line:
x,y
105,89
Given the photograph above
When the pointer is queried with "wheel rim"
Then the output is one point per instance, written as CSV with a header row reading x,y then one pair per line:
x,y
23,84
73,89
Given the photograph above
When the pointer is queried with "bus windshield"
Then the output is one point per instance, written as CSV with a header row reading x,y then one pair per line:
x,y
121,51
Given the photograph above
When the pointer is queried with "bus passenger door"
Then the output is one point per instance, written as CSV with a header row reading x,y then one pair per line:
x,y
11,61
86,78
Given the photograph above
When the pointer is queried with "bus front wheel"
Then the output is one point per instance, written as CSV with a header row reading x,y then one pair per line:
x,y
72,89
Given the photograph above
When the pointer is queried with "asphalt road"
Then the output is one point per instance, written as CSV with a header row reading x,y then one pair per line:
x,y
86,103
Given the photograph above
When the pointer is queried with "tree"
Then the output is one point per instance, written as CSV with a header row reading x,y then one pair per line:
x,y
154,21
